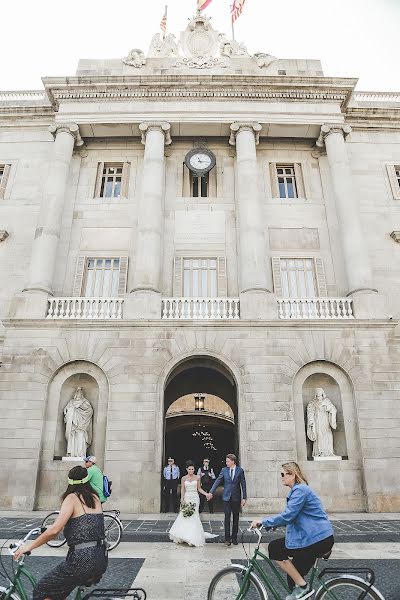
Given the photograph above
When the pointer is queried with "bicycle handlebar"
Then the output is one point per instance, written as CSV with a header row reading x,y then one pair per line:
x,y
14,547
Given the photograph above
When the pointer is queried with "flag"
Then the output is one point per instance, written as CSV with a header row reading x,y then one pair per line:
x,y
237,9
163,24
202,4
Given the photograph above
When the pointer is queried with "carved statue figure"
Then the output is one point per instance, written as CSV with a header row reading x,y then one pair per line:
x,y
166,47
135,58
78,416
321,419
264,60
231,48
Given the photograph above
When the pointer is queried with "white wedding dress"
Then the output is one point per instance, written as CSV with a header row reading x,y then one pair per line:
x,y
189,530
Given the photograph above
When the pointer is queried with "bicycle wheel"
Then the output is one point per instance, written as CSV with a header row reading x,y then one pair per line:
x,y
347,587
3,593
113,530
228,585
58,541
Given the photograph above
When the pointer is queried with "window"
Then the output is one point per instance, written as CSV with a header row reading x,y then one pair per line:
x,y
4,173
287,181
100,277
112,180
299,277
199,186
394,178
200,277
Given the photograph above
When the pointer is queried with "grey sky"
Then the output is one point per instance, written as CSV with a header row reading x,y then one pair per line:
x,y
357,38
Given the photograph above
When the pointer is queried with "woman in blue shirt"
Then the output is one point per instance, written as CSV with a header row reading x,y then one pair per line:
x,y
309,533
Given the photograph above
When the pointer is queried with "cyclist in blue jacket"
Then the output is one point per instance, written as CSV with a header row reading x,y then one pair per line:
x,y
309,533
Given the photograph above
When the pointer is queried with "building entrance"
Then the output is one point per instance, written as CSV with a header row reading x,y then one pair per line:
x,y
201,415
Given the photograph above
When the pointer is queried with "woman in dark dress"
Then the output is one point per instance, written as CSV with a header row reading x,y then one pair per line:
x,y
82,519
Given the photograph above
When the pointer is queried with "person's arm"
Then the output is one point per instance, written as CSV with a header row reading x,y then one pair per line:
x,y
293,508
217,482
183,490
243,486
179,472
66,512
200,489
199,474
212,474
96,481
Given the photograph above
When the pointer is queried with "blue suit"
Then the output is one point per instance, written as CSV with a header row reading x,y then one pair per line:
x,y
234,491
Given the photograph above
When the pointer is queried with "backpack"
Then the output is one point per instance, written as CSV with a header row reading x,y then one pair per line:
x,y
107,486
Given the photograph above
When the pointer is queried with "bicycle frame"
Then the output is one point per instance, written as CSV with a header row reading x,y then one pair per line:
x,y
16,584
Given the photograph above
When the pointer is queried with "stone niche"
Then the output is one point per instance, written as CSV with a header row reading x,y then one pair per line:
x,y
338,482
53,471
332,391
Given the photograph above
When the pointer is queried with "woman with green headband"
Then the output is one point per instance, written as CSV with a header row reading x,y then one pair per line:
x,y
82,519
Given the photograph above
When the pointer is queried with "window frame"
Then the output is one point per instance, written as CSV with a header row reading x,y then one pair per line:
x,y
102,174
80,281
318,273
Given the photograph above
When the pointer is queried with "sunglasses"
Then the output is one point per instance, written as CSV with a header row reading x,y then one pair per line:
x,y
284,474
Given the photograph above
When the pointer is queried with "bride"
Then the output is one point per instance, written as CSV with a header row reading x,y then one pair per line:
x,y
190,529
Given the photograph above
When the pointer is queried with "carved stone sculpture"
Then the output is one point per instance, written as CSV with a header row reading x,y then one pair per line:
x,y
135,58
78,417
231,48
163,48
264,60
321,420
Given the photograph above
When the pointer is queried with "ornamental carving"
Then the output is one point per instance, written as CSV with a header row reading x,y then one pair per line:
x,y
255,128
135,58
199,43
163,47
3,235
395,235
264,60
330,128
231,48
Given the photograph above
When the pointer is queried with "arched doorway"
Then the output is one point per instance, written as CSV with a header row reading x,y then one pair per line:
x,y
200,413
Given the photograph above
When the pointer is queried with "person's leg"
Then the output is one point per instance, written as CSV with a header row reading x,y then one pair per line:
x,y
235,526
211,506
278,552
228,512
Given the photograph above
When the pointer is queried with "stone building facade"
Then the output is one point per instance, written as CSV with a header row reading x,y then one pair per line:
x,y
129,272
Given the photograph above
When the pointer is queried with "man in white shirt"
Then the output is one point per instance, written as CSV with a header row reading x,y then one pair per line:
x,y
171,476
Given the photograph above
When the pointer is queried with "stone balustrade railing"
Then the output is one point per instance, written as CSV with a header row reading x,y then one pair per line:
x,y
24,96
315,308
85,308
376,96
200,308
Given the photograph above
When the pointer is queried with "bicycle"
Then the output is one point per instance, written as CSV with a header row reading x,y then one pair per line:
x,y
238,582
112,526
16,589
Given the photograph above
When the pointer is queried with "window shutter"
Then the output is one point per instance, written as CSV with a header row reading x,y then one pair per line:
x,y
186,191
274,180
394,184
298,172
320,277
78,283
276,274
178,277
4,179
123,275
222,278
212,183
126,170
97,189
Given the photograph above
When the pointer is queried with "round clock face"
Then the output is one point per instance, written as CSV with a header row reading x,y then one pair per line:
x,y
200,161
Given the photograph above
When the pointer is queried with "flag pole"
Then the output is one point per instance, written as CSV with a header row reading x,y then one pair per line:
x,y
166,15
232,22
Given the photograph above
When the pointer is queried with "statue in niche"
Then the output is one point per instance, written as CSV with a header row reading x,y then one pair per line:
x,y
78,417
135,58
321,420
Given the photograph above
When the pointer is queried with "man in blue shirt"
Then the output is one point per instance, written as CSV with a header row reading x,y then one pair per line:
x,y
171,476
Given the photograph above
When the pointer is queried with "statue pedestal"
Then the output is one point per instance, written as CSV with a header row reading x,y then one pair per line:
x,y
78,459
327,458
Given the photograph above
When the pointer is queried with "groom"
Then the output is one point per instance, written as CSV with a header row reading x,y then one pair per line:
x,y
234,496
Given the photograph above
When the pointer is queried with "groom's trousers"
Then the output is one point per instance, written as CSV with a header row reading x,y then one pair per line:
x,y
231,507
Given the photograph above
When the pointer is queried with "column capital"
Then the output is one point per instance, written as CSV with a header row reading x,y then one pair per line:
x,y
162,126
236,127
330,128
71,128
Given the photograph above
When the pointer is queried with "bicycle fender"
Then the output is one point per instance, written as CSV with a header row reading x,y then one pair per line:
x,y
353,578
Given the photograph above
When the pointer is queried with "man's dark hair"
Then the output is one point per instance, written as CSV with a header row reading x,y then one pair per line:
x,y
84,491
232,457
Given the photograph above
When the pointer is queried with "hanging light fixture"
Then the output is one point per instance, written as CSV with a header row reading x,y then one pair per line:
x,y
199,402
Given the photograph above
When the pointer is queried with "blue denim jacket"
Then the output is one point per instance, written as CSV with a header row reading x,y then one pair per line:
x,y
304,517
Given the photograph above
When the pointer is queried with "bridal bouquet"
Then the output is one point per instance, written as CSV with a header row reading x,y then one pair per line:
x,y
188,509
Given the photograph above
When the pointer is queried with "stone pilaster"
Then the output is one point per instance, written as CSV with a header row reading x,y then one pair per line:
x,y
145,298
255,277
33,301
368,303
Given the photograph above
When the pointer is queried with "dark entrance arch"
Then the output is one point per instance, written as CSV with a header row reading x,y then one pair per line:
x,y
187,434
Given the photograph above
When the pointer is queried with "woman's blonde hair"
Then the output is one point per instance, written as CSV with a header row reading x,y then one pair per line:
x,y
293,469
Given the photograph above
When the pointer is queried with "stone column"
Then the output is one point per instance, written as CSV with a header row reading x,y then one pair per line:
x,y
255,277
145,298
33,302
368,303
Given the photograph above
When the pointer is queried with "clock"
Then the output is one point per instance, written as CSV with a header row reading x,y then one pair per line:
x,y
200,161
